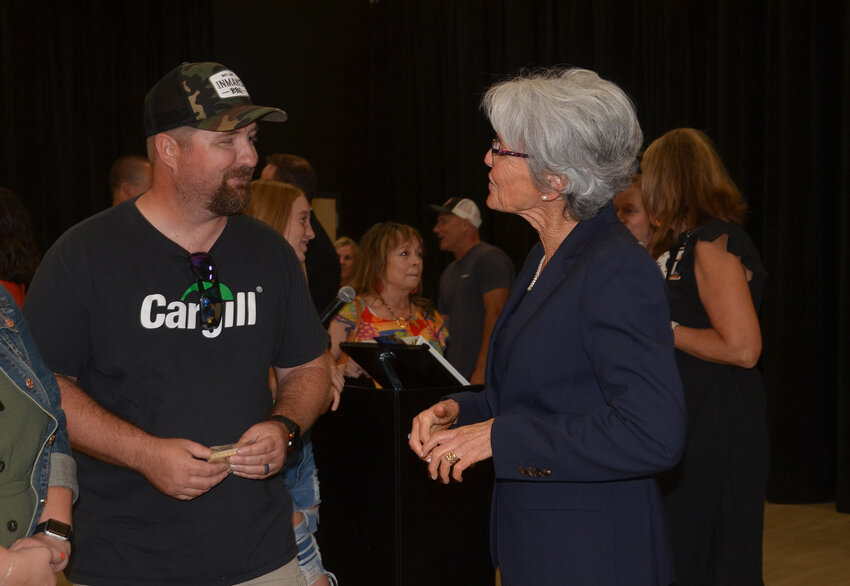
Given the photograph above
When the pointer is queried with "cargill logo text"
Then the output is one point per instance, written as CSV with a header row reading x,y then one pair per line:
x,y
157,312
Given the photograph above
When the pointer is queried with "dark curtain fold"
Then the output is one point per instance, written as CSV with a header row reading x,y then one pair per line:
x,y
840,21
74,75
383,99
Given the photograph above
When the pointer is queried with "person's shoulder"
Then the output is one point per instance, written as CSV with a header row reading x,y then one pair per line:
x,y
252,232
8,305
738,241
616,235
97,229
493,268
248,240
615,246
486,254
602,231
350,310
715,228
251,226
487,249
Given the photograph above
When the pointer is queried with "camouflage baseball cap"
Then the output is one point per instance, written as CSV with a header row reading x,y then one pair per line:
x,y
203,95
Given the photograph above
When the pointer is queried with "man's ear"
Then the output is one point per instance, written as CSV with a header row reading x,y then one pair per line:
x,y
167,149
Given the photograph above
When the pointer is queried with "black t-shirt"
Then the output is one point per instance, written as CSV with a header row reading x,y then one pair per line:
x,y
112,304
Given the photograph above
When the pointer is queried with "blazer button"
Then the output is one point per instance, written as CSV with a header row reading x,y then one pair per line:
x,y
30,384
52,439
12,525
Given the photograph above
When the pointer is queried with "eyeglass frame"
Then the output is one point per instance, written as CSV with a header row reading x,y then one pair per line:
x,y
207,297
496,149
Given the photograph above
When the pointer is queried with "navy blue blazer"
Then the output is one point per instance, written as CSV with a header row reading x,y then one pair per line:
x,y
583,385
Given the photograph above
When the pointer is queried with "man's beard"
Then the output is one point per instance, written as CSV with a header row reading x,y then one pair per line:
x,y
227,200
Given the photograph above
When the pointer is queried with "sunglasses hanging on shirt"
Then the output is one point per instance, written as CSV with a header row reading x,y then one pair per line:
x,y
210,302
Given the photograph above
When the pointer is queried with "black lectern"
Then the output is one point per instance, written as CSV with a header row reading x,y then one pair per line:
x,y
399,365
383,520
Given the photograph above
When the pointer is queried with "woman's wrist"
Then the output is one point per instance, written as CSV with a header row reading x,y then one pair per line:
x,y
11,567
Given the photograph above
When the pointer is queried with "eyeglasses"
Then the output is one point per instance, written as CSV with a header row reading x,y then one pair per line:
x,y
203,268
497,149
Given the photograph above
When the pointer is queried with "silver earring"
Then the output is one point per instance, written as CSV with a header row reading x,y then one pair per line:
x,y
545,198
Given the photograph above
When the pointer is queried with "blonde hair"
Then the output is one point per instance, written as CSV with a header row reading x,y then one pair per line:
x,y
685,184
271,202
345,241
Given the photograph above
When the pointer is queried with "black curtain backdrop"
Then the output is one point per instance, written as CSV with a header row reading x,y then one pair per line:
x,y
383,99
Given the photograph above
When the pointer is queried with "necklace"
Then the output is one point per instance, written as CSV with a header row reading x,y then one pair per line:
x,y
537,274
400,321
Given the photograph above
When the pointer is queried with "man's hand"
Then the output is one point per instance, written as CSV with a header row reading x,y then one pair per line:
x,y
265,454
350,369
178,467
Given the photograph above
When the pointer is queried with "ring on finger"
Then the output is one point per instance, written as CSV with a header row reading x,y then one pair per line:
x,y
451,458
267,468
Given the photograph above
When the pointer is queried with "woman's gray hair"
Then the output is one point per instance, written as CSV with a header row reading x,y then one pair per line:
x,y
573,124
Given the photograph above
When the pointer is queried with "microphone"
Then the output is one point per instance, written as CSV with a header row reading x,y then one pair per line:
x,y
344,296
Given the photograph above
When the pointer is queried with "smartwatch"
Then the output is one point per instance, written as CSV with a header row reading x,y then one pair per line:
x,y
55,529
293,442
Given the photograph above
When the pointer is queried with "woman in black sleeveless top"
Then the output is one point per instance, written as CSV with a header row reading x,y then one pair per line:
x,y
714,499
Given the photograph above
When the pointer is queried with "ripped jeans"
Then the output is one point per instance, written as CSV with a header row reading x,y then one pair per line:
x,y
302,480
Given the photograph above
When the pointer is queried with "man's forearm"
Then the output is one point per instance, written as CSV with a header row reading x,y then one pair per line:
x,y
98,433
303,392
486,332
494,301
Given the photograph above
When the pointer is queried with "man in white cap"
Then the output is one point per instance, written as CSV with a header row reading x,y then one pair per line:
x,y
473,288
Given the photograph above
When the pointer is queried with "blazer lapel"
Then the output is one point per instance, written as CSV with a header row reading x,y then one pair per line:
x,y
522,304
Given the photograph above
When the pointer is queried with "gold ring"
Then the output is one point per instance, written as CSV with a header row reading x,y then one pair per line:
x,y
451,458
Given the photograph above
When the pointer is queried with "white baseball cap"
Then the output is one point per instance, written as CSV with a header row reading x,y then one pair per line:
x,y
462,207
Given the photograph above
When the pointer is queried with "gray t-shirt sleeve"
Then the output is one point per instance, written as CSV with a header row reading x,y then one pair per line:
x,y
494,271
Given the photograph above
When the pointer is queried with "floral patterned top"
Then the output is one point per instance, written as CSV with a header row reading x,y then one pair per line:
x,y
362,324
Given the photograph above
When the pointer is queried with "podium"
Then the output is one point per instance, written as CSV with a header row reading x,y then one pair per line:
x,y
383,521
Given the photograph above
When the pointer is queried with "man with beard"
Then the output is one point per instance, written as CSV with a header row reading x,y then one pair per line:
x,y
172,311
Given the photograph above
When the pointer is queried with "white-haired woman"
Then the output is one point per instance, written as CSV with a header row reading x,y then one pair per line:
x,y
583,403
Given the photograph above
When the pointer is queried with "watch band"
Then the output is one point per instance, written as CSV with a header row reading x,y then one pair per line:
x,y
55,529
294,440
